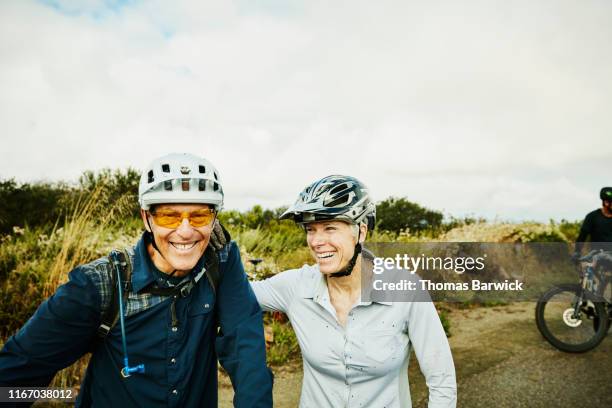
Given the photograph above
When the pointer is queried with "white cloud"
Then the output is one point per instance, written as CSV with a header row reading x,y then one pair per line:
x,y
483,107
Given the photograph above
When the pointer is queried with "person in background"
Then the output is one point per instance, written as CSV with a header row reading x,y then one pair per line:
x,y
597,226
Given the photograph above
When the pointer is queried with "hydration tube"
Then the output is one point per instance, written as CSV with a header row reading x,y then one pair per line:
x,y
126,371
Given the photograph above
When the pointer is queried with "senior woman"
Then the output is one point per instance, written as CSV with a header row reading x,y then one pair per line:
x,y
355,353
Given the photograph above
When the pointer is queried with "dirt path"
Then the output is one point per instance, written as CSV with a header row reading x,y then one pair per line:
x,y
501,361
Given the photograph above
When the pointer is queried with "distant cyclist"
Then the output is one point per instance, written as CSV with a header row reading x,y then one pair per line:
x,y
597,225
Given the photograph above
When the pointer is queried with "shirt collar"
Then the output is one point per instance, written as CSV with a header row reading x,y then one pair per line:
x,y
317,291
142,275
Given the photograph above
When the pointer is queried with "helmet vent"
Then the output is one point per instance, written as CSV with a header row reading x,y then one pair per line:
x,y
338,188
201,185
338,201
215,174
168,185
150,177
215,186
185,184
166,168
201,169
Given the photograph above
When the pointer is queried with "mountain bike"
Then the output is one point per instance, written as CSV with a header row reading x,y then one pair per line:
x,y
576,317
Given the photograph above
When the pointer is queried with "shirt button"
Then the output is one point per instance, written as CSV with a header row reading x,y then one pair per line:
x,y
174,328
206,306
174,392
173,360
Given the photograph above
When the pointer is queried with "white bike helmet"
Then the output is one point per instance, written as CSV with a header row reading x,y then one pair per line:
x,y
180,178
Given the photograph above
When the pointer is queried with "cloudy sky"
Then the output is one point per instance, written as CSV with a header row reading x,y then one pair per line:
x,y
495,108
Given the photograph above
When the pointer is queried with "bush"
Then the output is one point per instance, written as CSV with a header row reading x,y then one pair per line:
x,y
569,229
43,205
454,222
34,205
114,186
24,262
399,214
281,244
284,346
254,218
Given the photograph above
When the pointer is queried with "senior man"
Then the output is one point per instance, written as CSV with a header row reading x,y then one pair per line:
x,y
185,304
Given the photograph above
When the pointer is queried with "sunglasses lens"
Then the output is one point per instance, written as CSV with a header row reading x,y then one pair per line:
x,y
201,218
167,219
173,219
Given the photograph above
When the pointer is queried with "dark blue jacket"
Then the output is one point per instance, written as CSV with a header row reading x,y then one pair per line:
x,y
180,363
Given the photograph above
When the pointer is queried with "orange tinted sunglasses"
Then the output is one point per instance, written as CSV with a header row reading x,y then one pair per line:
x,y
173,219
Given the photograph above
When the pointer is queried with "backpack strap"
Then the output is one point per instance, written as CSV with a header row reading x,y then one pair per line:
x,y
118,261
213,275
212,268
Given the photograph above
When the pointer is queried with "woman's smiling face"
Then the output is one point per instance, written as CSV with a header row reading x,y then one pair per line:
x,y
331,243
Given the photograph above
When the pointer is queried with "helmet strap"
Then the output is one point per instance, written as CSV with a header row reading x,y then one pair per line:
x,y
351,264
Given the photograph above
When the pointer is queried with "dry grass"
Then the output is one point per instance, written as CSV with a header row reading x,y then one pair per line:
x,y
90,231
83,235
504,232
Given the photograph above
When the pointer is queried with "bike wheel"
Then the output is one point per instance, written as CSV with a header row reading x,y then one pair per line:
x,y
554,318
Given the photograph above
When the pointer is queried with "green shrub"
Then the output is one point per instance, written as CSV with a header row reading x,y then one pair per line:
x,y
569,229
285,347
399,214
35,205
114,185
455,222
254,218
42,205
444,319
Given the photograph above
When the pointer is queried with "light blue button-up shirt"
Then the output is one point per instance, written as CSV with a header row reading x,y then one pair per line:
x,y
365,363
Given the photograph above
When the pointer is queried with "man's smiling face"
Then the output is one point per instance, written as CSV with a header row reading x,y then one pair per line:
x,y
180,247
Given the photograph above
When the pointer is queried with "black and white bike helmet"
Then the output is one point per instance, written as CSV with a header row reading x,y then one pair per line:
x,y
180,178
334,198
